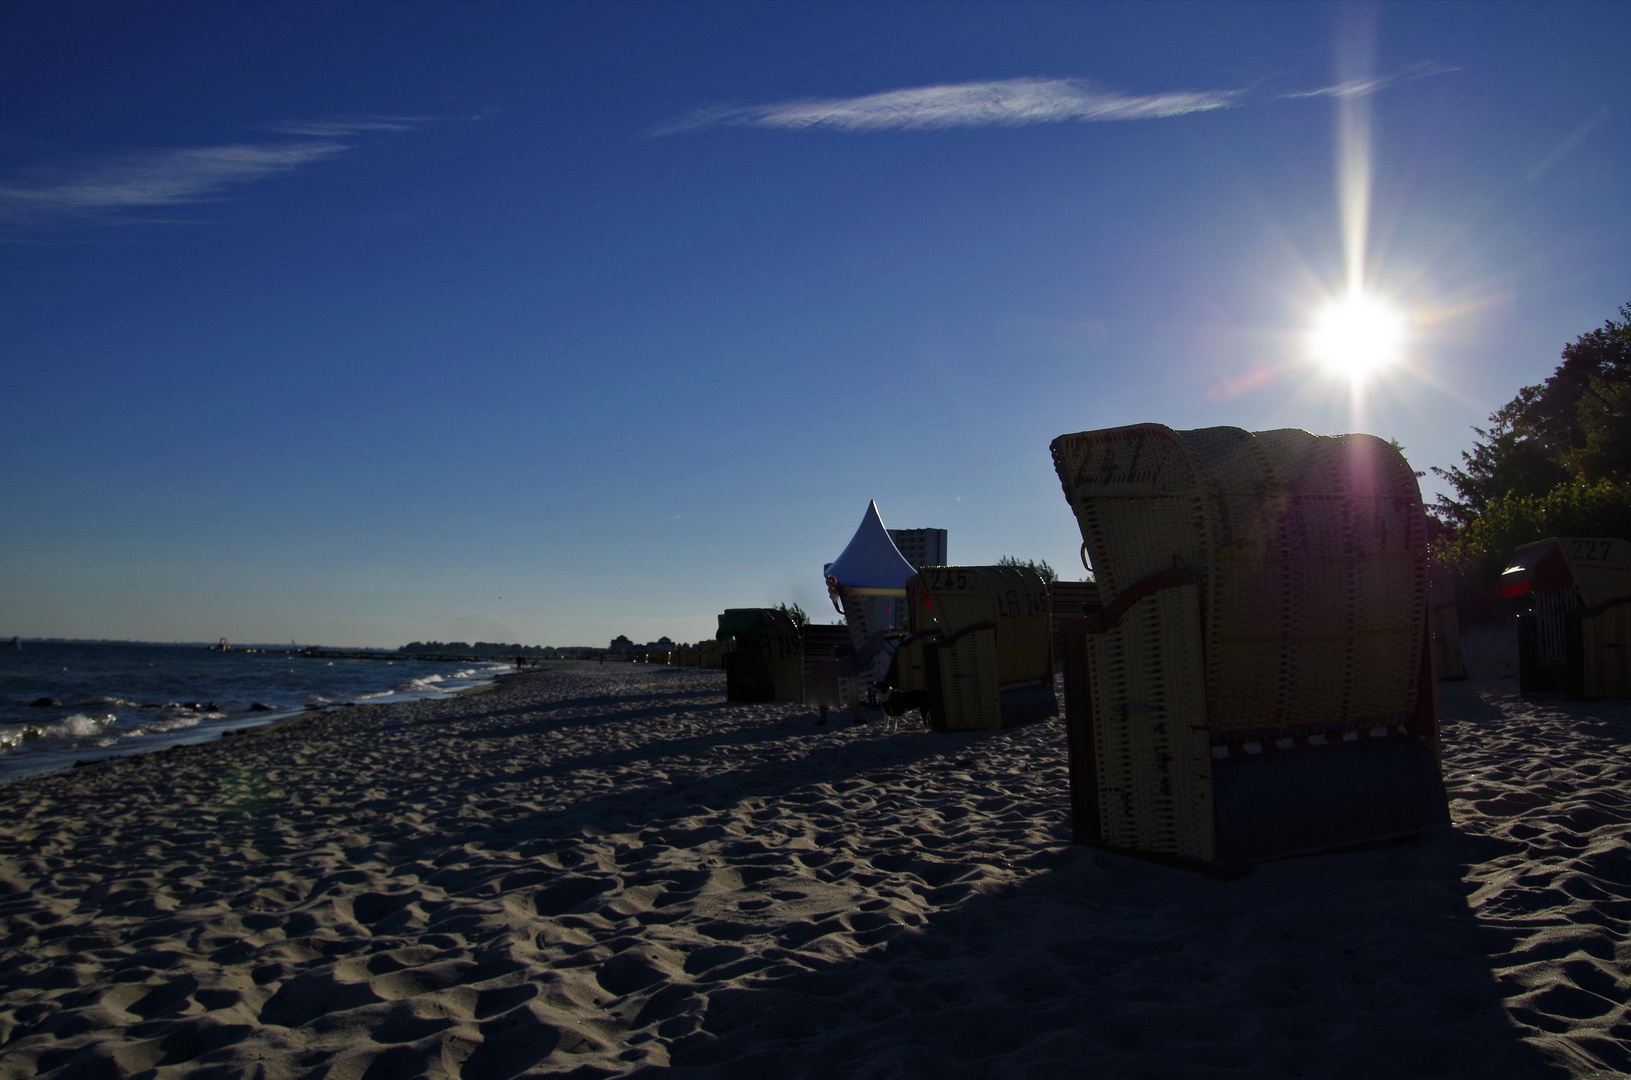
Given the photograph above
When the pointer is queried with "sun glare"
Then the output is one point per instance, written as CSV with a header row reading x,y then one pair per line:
x,y
1358,336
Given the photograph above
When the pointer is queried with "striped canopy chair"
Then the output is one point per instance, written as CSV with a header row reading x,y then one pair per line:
x,y
1577,638
1258,680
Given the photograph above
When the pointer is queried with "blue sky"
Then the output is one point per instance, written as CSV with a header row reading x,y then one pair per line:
x,y
356,324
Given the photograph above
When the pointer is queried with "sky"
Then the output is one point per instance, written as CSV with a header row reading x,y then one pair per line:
x,y
356,324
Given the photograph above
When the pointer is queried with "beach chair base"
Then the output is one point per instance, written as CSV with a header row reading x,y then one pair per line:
x,y
1283,803
1223,871
1276,796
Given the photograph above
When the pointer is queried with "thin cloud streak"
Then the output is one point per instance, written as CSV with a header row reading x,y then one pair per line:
x,y
1001,103
163,178
339,129
1366,87
1575,138
100,189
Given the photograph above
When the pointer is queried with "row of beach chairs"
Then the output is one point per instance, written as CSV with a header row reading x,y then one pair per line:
x,y
975,652
1252,674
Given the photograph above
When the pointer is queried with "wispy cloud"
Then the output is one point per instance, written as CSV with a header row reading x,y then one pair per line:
x,y
1575,138
159,178
339,129
1001,103
1363,87
1006,103
113,187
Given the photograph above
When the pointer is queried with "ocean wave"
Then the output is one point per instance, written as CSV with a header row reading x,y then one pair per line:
x,y
174,723
172,694
77,726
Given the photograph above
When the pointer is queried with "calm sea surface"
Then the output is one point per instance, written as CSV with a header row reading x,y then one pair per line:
x,y
132,698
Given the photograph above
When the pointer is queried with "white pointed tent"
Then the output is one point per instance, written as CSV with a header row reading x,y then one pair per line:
x,y
867,584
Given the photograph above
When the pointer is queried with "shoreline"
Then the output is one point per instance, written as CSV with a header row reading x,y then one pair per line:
x,y
311,712
53,753
615,872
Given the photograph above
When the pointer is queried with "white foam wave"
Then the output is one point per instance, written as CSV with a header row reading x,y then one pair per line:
x,y
175,723
77,726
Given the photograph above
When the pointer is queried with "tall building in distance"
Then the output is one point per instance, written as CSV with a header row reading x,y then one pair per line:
x,y
921,547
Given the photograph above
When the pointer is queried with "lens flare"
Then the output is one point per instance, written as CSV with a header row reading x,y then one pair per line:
x,y
1358,336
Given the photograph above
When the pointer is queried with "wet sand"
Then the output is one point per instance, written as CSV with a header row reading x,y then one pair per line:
x,y
607,870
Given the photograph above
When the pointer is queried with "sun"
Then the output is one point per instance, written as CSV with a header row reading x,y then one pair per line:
x,y
1358,336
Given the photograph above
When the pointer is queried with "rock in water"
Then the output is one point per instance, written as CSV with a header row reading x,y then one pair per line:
x,y
258,707
46,703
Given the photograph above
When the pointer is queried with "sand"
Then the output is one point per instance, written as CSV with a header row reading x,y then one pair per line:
x,y
608,871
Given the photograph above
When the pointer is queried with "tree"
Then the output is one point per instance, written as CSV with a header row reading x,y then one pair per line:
x,y
1506,460
1575,425
1604,452
1040,566
1551,410
1555,462
794,612
1478,552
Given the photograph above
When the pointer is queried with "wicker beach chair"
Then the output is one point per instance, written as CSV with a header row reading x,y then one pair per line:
x,y
1258,682
1577,640
766,662
980,651
829,668
1069,600
1448,663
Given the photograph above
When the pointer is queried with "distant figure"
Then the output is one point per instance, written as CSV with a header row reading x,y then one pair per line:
x,y
220,646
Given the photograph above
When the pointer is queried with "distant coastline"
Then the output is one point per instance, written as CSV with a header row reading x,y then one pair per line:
x,y
480,648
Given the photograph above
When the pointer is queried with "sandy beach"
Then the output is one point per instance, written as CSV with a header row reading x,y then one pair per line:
x,y
609,871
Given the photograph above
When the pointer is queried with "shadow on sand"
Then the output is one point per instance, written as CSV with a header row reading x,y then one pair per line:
x,y
1365,964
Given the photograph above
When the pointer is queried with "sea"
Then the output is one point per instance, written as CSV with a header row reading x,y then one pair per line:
x,y
131,698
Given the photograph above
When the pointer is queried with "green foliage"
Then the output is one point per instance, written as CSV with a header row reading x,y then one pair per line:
x,y
1556,461
1605,431
1552,409
1480,551
794,612
1574,426
1506,460
1040,566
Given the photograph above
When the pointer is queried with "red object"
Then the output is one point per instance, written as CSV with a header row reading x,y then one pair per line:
x,y
1515,588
